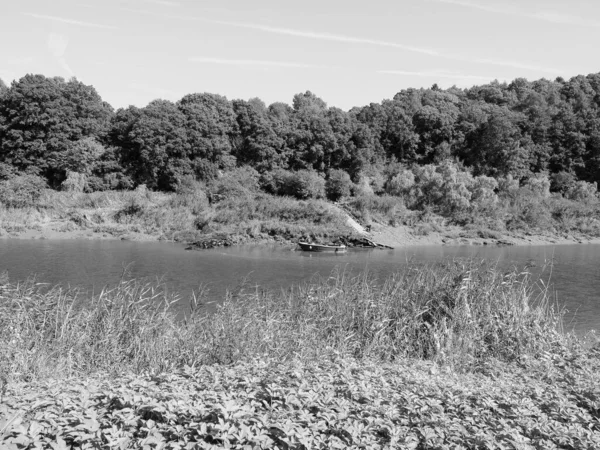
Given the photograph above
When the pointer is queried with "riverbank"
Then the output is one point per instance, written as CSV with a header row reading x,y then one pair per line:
x,y
449,355
255,219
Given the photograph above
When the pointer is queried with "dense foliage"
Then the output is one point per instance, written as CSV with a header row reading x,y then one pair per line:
x,y
524,155
519,129
550,403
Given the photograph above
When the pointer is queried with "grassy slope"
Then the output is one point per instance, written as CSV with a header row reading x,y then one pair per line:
x,y
254,217
449,356
188,217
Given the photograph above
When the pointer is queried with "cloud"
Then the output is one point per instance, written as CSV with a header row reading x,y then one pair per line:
x,y
326,36
356,40
546,16
380,43
69,21
57,44
250,62
294,32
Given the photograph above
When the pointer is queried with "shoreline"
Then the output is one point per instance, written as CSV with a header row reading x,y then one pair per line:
x,y
395,237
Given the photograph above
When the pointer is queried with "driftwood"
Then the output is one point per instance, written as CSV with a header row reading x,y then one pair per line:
x,y
364,243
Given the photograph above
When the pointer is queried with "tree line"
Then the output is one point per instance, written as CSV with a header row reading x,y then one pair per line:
x,y
53,128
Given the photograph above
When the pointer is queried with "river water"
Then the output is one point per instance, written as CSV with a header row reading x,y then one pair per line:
x,y
93,264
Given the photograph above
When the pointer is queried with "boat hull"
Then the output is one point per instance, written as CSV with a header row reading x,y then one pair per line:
x,y
309,247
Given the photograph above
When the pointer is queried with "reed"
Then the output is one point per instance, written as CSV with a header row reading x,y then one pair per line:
x,y
456,313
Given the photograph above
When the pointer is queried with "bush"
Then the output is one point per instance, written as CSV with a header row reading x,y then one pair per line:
x,y
401,183
303,185
274,182
21,191
75,182
7,171
582,191
562,181
539,185
190,194
239,182
337,185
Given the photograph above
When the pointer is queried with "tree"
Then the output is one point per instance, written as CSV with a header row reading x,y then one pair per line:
x,y
497,147
260,145
212,130
312,139
337,185
154,144
3,87
41,120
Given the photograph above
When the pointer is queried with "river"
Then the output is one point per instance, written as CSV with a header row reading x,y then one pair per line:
x,y
93,264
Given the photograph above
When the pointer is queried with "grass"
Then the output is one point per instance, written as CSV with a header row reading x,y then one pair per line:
x,y
186,216
446,356
456,313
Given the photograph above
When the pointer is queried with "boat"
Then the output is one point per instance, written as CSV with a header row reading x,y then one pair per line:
x,y
312,247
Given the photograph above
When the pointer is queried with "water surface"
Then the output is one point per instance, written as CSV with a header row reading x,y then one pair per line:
x,y
92,264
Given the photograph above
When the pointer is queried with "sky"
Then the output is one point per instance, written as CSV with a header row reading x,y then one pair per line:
x,y
349,53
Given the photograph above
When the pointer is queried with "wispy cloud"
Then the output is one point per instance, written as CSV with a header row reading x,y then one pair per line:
x,y
69,21
327,36
546,16
382,43
307,34
57,44
250,62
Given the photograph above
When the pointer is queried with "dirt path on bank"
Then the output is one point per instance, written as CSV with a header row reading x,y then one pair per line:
x,y
403,236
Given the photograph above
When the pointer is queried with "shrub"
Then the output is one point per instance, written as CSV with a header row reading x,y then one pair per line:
x,y
539,185
7,171
190,194
305,184
401,183
582,191
562,181
75,182
508,187
444,187
239,182
337,185
274,182
21,191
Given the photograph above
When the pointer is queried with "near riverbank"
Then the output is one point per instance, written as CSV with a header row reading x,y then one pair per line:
x,y
191,219
454,355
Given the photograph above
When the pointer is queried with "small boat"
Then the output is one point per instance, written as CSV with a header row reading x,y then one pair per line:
x,y
311,247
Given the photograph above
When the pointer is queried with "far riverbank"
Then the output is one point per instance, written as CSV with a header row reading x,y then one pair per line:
x,y
392,236
260,218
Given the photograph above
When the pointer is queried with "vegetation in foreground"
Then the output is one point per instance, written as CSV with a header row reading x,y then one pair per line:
x,y
455,355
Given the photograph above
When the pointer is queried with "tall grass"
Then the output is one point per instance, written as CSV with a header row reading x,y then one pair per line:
x,y
456,313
